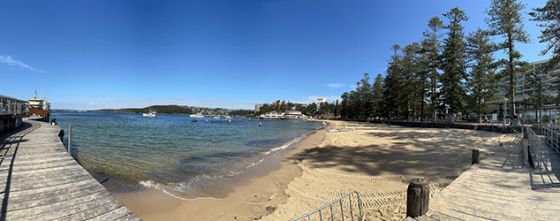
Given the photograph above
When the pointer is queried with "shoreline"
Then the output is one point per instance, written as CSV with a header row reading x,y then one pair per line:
x,y
262,191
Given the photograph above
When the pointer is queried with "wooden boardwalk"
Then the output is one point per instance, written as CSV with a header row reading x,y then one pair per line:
x,y
40,181
502,188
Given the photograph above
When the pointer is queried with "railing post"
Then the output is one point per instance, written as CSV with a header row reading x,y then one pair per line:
x,y
417,198
70,138
475,156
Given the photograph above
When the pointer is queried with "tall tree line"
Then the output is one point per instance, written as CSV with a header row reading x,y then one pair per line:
x,y
450,71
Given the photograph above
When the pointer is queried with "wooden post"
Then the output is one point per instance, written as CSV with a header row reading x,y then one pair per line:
x,y
417,198
475,156
70,138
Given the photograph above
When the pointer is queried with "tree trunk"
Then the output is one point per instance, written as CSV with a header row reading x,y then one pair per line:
x,y
422,103
511,77
434,97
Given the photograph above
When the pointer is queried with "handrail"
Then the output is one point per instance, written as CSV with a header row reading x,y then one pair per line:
x,y
534,143
339,201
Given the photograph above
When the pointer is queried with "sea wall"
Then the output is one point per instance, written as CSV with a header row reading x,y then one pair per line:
x,y
9,122
466,126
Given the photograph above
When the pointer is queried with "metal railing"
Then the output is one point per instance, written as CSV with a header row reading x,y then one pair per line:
x,y
335,210
535,146
551,135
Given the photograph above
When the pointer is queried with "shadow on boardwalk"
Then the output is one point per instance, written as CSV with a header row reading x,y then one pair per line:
x,y
41,181
492,191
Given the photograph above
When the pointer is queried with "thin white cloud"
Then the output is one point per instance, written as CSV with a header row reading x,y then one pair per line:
x,y
335,85
15,64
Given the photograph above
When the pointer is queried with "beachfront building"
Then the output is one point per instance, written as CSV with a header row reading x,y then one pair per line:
x,y
258,107
293,114
11,112
550,109
320,101
272,115
525,91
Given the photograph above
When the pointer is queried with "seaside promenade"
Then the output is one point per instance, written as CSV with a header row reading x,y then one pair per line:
x,y
501,187
41,181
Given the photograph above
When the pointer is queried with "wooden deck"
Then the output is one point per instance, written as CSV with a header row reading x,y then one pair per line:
x,y
40,181
502,188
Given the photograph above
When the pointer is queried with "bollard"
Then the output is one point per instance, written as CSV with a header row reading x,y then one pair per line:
x,y
61,135
69,138
417,198
475,156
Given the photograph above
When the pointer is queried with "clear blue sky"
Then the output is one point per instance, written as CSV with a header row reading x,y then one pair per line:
x,y
88,54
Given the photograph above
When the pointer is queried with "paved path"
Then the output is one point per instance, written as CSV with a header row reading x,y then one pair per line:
x,y
40,181
500,188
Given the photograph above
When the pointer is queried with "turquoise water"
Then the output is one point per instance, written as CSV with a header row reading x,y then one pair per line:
x,y
171,153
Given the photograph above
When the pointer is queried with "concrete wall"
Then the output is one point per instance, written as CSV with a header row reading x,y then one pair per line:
x,y
485,127
9,122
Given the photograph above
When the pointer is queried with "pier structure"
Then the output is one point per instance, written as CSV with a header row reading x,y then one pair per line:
x,y
40,180
12,111
520,182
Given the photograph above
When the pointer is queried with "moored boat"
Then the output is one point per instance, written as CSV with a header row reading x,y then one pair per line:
x,y
196,115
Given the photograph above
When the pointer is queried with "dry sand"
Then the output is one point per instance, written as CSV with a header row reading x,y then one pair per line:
x,y
376,160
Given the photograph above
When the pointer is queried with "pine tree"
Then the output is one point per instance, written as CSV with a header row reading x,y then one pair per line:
x,y
432,54
364,94
505,20
536,97
481,82
392,86
413,82
378,95
453,62
549,16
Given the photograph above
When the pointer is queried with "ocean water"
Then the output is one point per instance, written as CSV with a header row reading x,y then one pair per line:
x,y
172,154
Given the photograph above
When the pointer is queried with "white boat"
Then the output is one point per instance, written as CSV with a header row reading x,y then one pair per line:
x,y
151,114
196,116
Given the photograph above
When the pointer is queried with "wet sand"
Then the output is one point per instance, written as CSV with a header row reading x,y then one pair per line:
x,y
374,159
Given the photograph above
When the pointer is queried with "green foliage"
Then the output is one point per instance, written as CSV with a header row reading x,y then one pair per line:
x,y
505,21
359,104
431,53
536,97
378,96
453,62
481,81
549,18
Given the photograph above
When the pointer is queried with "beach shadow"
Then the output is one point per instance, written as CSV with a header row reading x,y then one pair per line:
x,y
411,152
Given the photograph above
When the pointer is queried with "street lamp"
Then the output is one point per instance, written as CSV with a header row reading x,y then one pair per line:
x,y
505,110
447,112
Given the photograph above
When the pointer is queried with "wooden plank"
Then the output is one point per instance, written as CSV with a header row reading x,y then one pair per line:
x,y
43,182
112,215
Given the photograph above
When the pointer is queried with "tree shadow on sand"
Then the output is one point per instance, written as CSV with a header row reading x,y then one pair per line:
x,y
425,153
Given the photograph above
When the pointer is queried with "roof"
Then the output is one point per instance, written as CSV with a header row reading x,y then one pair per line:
x,y
11,98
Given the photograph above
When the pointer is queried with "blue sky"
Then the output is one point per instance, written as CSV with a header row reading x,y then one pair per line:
x,y
89,54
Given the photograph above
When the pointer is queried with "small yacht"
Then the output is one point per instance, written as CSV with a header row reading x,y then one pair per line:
x,y
196,115
150,114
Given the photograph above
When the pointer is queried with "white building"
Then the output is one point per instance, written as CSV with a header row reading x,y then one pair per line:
x,y
293,114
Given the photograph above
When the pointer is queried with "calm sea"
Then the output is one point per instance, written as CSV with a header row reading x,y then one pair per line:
x,y
171,153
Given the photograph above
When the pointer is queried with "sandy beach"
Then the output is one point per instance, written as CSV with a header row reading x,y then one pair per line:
x,y
374,159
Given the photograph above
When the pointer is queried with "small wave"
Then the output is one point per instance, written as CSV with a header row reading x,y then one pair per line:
x,y
255,163
285,145
170,191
